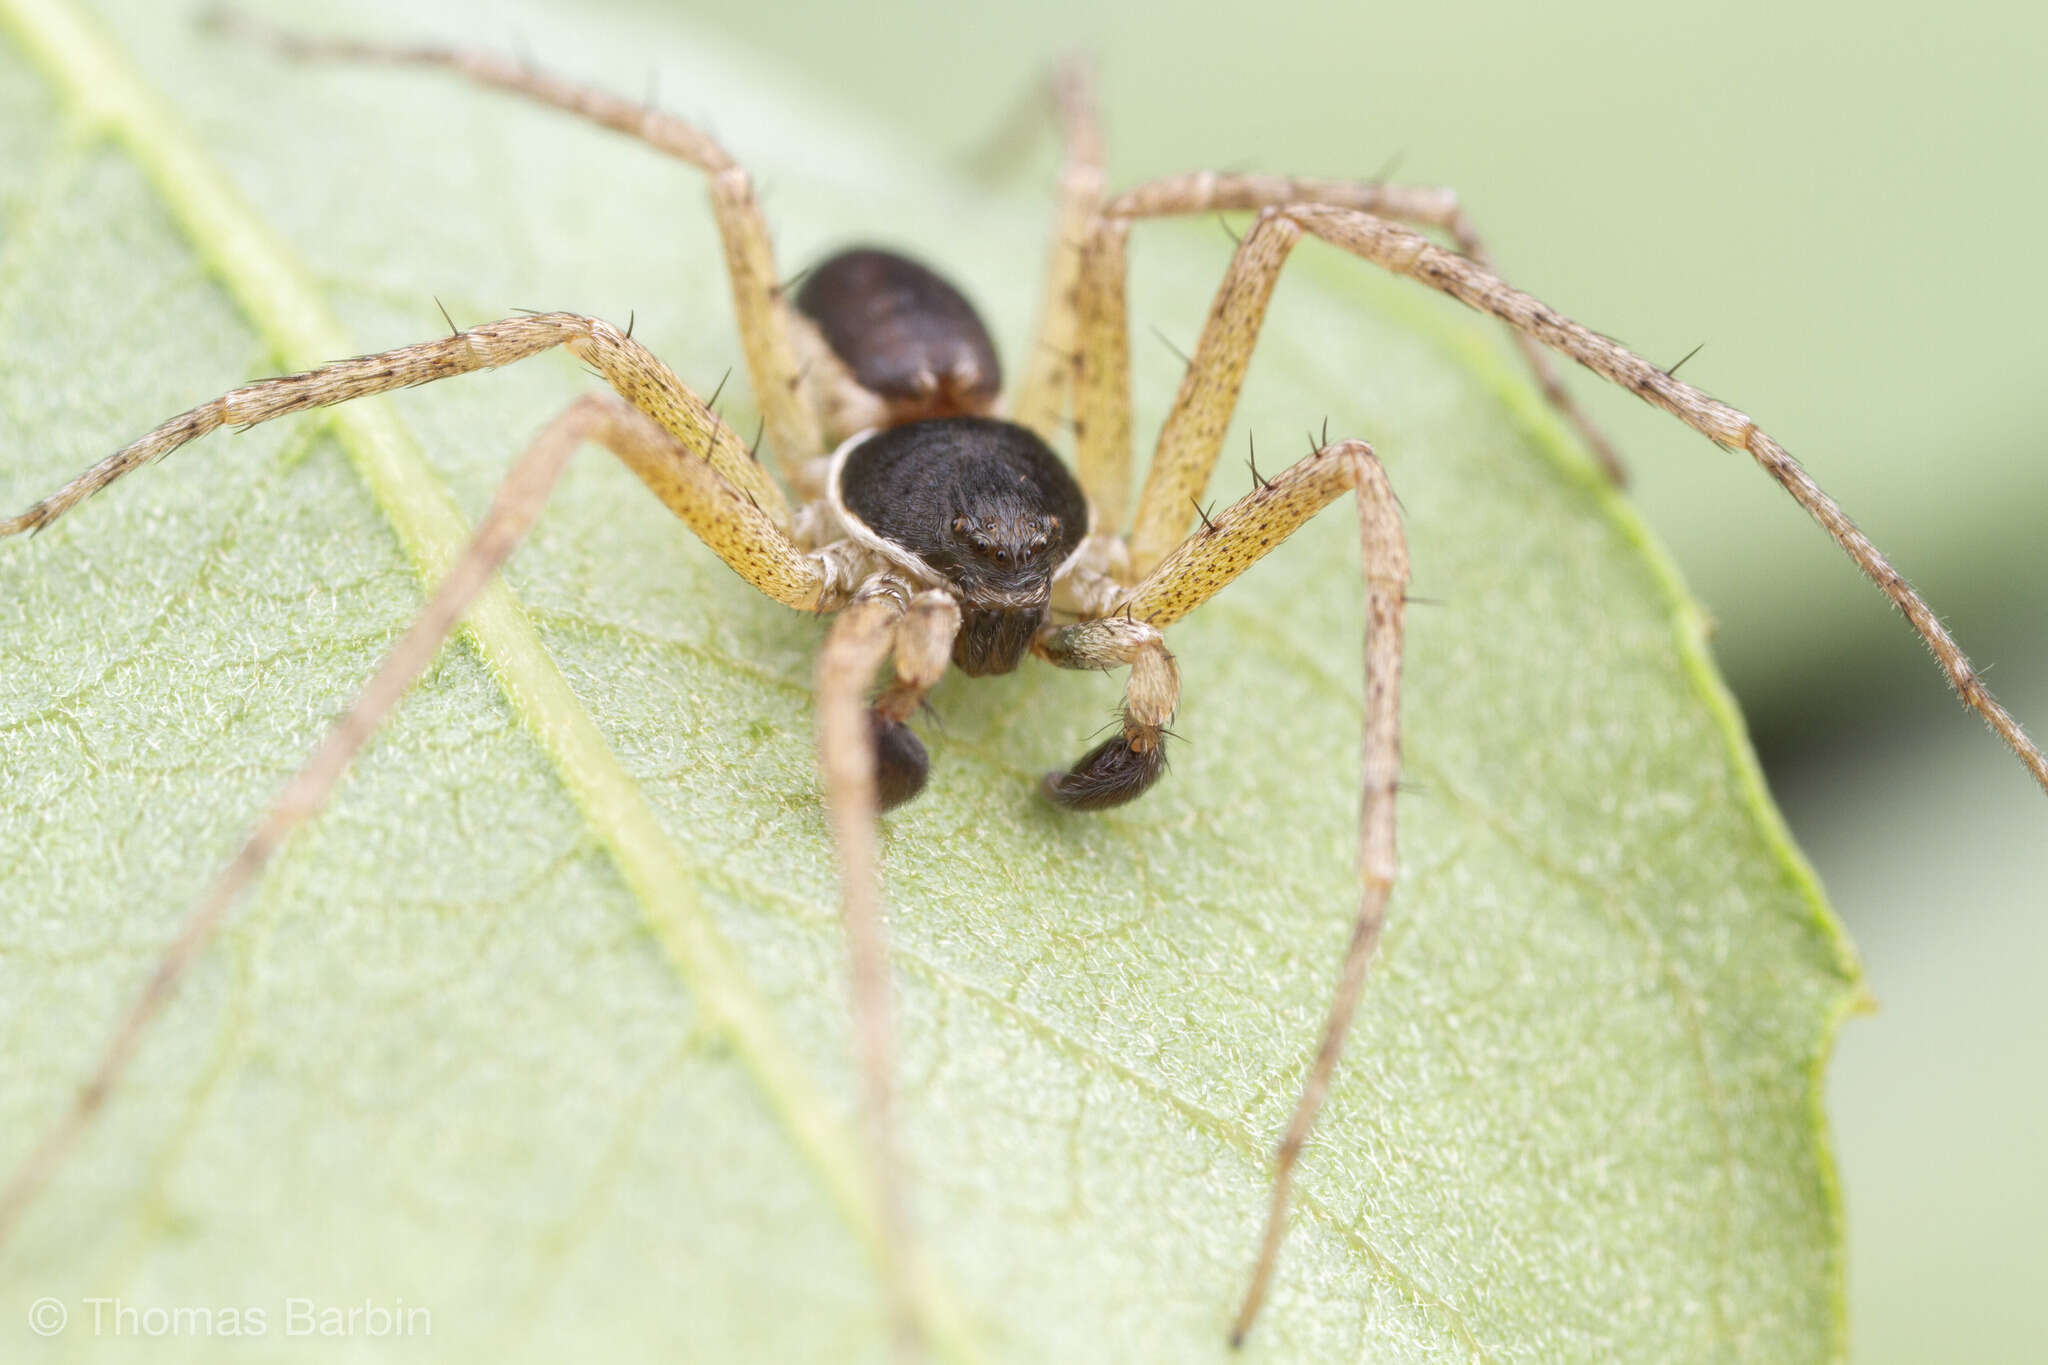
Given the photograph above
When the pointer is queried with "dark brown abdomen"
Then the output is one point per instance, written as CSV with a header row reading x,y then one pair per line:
x,y
908,336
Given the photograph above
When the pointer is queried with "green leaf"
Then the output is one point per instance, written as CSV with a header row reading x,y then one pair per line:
x,y
503,1034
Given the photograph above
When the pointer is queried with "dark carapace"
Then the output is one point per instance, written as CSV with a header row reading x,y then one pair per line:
x,y
978,504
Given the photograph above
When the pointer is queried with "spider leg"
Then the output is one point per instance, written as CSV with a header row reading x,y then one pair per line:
x,y
1405,252
519,500
792,426
861,637
1193,433
1228,544
1102,373
1419,205
724,496
1041,398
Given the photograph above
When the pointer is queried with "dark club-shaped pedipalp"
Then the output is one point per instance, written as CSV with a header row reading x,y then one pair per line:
x,y
1122,768
1113,772
901,763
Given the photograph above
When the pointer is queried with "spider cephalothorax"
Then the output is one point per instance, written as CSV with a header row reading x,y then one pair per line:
x,y
979,506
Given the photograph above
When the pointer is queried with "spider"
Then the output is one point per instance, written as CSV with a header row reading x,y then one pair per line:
x,y
913,530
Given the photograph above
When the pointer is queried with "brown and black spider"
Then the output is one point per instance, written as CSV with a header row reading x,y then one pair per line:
x,y
958,562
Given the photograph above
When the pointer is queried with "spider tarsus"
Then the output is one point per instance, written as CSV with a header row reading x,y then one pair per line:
x,y
1113,772
901,763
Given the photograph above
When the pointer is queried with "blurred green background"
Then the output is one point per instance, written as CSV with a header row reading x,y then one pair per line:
x,y
1823,198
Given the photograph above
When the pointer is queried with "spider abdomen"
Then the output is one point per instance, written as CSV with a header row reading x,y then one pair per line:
x,y
904,333
979,505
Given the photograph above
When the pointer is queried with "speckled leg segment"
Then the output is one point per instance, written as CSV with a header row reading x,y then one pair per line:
x,y
1048,370
1418,205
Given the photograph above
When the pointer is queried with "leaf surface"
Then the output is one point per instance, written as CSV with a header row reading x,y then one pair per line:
x,y
451,1052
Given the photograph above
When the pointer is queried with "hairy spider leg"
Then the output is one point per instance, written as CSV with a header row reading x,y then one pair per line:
x,y
860,640
792,426
1192,435
732,504
1047,374
1229,543
1102,373
1232,329
1430,206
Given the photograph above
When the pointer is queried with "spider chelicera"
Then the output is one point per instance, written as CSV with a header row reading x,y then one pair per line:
x,y
934,521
